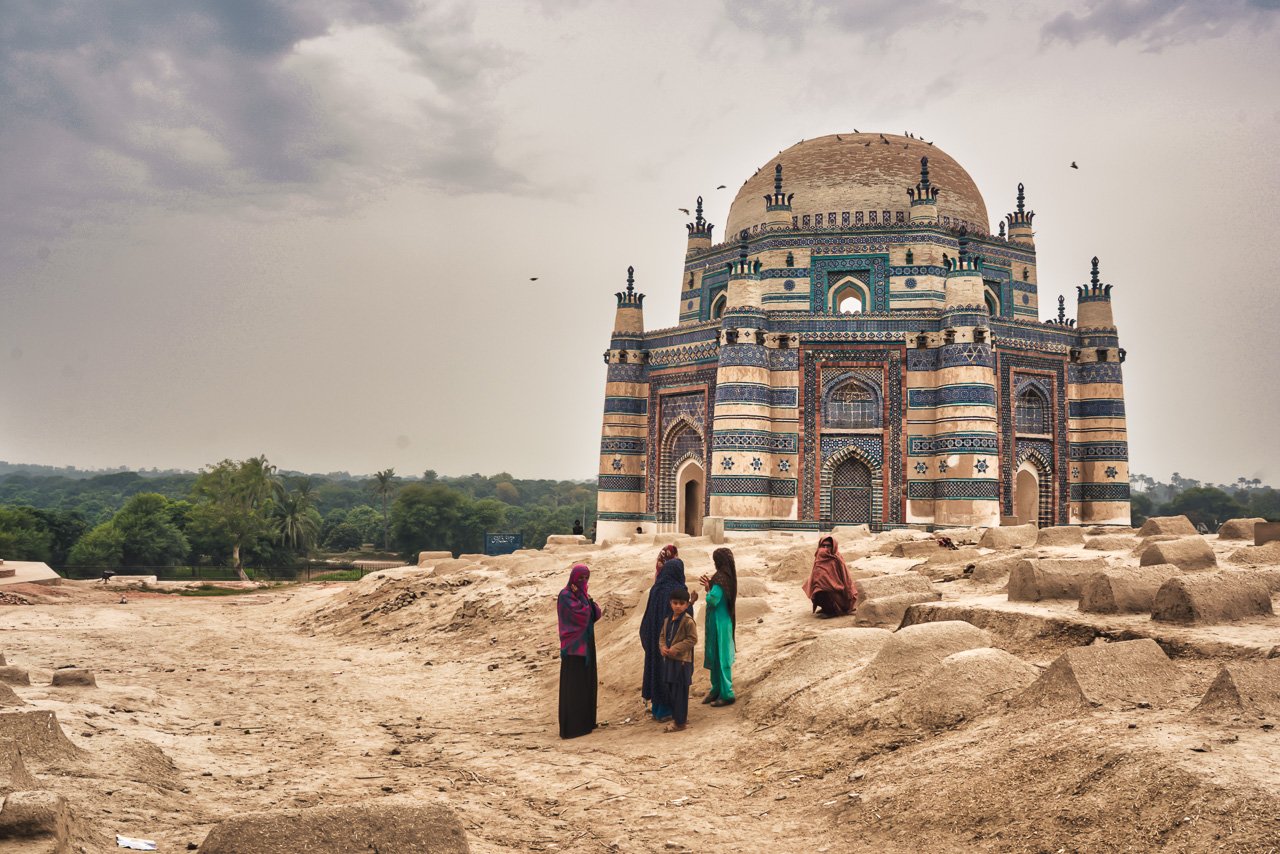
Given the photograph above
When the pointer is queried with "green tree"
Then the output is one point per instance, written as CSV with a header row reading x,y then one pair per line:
x,y
23,535
1265,503
1140,507
102,546
367,521
427,518
1205,505
148,536
384,485
297,523
66,527
343,537
234,498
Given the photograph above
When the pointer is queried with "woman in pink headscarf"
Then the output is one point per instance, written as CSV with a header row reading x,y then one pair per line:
x,y
577,614
668,552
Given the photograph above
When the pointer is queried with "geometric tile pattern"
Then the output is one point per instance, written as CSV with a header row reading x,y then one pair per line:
x,y
951,443
825,270
1050,374
972,394
871,447
1100,492
1100,451
1097,408
755,440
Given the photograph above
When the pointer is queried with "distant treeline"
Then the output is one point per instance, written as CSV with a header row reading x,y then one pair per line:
x,y
1203,503
246,512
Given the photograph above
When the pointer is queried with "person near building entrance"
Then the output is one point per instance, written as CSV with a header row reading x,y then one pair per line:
x,y
722,616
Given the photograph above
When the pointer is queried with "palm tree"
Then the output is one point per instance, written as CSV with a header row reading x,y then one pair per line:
x,y
384,487
294,521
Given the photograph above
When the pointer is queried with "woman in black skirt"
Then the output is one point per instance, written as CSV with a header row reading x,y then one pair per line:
x,y
578,614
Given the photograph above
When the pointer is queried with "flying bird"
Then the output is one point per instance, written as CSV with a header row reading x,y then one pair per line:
x,y
533,278
838,139
1073,165
684,211
721,187
855,130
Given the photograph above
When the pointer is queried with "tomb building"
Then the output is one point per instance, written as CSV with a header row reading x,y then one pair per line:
x,y
863,349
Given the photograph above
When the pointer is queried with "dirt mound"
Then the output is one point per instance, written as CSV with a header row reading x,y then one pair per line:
x,y
1051,578
14,675
1188,553
9,698
1109,674
994,568
832,653
1238,529
1109,543
795,564
14,776
1244,688
1010,536
918,548
1206,598
38,735
402,825
963,686
1268,555
1062,535
1125,591
948,564
963,536
914,650
749,585
888,611
74,676
41,820
891,585
1179,525
752,607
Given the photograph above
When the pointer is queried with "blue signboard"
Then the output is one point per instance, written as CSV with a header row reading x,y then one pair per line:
x,y
502,544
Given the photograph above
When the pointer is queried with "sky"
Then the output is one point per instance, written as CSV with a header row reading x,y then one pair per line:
x,y
307,228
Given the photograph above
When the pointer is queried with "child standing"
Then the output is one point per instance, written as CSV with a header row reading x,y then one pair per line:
x,y
679,637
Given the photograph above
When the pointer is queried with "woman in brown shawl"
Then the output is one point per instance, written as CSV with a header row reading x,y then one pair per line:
x,y
668,552
829,587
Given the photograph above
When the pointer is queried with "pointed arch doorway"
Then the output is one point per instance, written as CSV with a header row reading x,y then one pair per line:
x,y
851,493
691,490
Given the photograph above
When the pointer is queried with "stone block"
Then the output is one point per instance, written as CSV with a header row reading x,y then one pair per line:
x,y
1107,674
400,825
1131,590
1188,554
962,536
37,734
892,585
74,676
851,533
1239,529
921,549
1211,597
888,611
565,540
1050,578
14,675
429,558
1010,537
14,776
994,568
37,819
1179,525
1061,535
1266,532
713,529
8,699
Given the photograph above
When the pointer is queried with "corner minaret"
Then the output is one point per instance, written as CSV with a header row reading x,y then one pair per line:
x,y
1093,303
744,277
699,231
1020,221
964,279
924,197
620,502
777,205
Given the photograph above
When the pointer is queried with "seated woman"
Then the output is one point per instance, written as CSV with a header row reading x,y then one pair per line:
x,y
829,587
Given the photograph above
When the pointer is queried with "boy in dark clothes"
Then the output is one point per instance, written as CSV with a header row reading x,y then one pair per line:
x,y
679,637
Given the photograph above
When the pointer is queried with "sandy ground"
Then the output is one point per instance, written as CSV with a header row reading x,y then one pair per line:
x,y
443,685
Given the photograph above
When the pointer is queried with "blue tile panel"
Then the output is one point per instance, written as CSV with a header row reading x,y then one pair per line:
x,y
755,393
951,395
626,405
743,484
746,355
1095,372
1049,372
1099,492
1096,408
951,443
626,373
871,446
1085,451
962,355
622,445
953,489
621,483
755,440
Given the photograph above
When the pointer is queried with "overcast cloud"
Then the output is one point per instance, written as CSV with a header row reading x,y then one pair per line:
x,y
307,228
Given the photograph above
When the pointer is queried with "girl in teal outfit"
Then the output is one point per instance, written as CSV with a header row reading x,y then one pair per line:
x,y
722,599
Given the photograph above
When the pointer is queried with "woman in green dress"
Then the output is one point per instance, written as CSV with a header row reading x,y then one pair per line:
x,y
721,603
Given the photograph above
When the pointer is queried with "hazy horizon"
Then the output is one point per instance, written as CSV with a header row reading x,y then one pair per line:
x,y
307,230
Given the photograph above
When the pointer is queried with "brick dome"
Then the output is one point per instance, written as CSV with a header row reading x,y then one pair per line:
x,y
858,174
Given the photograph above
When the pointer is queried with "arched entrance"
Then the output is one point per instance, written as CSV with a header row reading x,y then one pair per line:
x,y
1026,494
690,492
851,493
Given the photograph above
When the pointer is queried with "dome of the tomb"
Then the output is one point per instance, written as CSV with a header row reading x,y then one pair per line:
x,y
852,176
